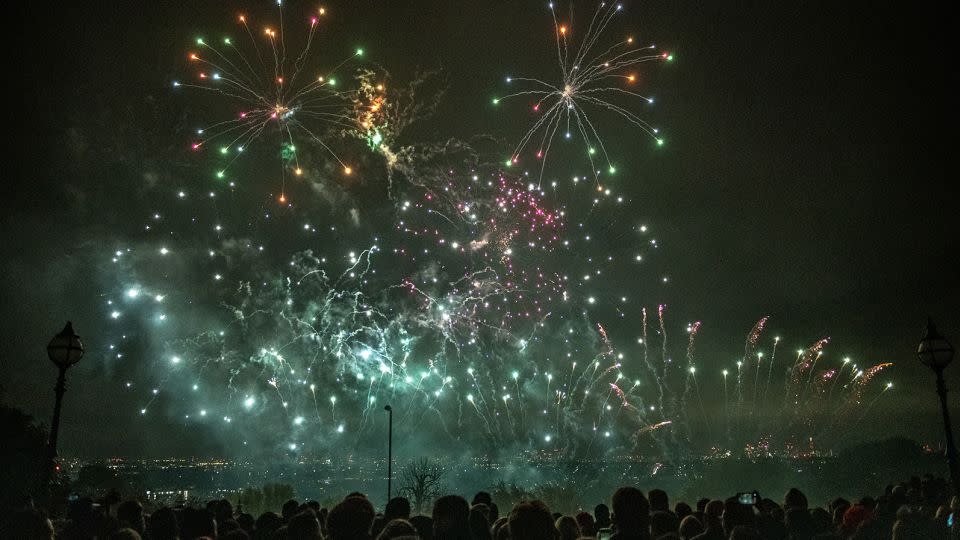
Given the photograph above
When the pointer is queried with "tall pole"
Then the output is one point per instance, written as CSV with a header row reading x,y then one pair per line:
x,y
948,429
389,410
51,462
60,388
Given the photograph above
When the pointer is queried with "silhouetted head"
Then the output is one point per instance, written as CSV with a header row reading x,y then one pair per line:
x,y
289,509
424,526
659,501
662,523
351,519
631,511
794,499
130,514
304,526
682,510
690,526
482,497
451,518
268,522
588,526
397,507
568,528
531,520
397,528
162,525
196,522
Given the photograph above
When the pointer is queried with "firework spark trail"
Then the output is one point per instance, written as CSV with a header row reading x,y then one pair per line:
x,y
689,376
799,372
285,103
652,427
585,80
773,358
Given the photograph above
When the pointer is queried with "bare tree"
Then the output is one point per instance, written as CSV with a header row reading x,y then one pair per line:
x,y
421,481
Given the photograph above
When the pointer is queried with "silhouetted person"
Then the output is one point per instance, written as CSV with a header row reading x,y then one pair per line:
x,y
480,522
451,518
690,527
197,523
424,526
531,520
798,524
631,514
162,525
682,510
482,497
662,523
794,499
736,514
397,508
351,519
659,501
245,521
397,528
601,515
853,518
568,528
712,522
289,509
130,514
266,524
588,526
304,526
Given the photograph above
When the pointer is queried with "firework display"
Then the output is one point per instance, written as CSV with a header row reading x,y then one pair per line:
x,y
591,77
280,95
490,305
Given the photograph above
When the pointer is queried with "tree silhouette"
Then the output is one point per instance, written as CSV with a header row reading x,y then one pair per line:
x,y
23,455
421,481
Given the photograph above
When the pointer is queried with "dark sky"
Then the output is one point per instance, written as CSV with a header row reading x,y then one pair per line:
x,y
805,175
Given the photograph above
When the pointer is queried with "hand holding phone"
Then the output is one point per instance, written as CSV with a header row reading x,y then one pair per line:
x,y
748,497
604,534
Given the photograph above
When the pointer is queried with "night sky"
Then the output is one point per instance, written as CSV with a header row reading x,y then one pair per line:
x,y
804,177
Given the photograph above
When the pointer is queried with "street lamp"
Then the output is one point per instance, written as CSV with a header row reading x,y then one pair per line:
x,y
936,353
64,350
389,410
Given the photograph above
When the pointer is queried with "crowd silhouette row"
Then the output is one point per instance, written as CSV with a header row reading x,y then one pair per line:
x,y
915,509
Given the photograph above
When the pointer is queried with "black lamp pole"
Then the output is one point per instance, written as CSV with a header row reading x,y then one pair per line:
x,y
64,350
937,353
389,410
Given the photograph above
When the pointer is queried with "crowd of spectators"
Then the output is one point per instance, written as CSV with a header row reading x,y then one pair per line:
x,y
916,509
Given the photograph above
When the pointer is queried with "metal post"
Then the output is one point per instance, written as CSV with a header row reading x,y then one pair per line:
x,y
60,388
948,429
389,451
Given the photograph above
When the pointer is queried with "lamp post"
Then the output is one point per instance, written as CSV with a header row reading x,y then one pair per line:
x,y
389,410
64,350
936,353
